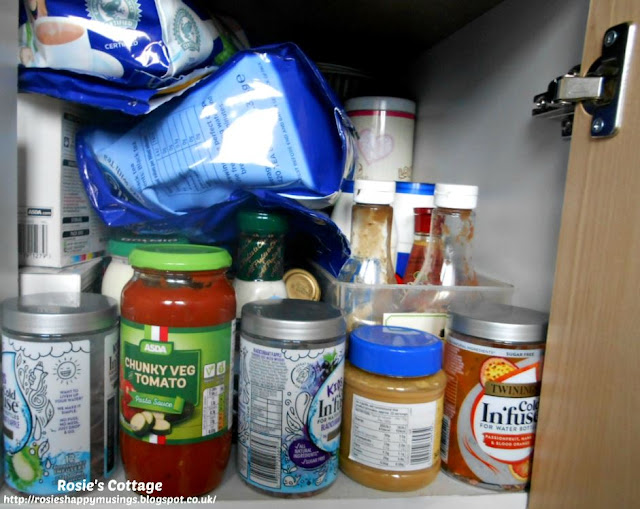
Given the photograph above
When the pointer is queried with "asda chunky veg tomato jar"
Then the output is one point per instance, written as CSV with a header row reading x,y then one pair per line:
x,y
177,325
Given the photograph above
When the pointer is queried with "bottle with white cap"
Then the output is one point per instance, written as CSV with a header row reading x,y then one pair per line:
x,y
448,260
371,260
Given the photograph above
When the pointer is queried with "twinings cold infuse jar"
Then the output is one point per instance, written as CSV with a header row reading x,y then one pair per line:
x,y
493,361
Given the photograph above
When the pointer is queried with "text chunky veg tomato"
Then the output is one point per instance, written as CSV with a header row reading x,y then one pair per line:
x,y
177,325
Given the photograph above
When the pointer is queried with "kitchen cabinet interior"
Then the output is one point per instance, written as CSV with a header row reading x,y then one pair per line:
x,y
473,67
379,36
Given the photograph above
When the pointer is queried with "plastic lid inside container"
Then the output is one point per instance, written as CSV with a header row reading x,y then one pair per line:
x,y
374,192
455,196
421,188
395,351
380,104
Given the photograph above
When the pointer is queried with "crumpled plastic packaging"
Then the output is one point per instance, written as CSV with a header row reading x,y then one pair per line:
x,y
129,55
264,127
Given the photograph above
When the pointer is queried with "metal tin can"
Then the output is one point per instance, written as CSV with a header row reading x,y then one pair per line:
x,y
60,374
290,395
493,361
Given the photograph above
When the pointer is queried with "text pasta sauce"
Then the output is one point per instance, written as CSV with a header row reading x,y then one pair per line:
x,y
493,361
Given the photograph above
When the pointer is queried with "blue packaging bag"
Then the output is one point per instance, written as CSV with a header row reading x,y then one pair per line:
x,y
117,54
265,125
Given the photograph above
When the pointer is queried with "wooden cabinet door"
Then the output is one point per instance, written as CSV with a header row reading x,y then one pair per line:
x,y
587,453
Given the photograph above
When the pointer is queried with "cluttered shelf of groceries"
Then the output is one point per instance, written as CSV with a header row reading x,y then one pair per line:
x,y
223,244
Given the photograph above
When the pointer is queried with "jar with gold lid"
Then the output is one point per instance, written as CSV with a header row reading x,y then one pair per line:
x,y
392,414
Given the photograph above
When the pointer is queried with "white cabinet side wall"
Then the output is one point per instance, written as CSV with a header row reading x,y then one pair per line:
x,y
474,126
8,153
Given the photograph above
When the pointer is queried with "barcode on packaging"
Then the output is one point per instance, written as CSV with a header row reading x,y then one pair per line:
x,y
265,460
33,240
444,444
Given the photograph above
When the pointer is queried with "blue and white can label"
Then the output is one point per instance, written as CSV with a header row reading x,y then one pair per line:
x,y
289,416
46,413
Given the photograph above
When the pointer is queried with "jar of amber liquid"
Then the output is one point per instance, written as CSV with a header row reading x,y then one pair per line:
x,y
392,416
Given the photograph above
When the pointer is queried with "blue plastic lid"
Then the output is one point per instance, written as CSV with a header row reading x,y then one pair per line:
x,y
395,351
347,186
415,188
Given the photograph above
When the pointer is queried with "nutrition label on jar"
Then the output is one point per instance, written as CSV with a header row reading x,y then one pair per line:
x,y
392,437
266,410
211,402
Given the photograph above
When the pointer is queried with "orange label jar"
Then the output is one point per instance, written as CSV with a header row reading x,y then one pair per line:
x,y
493,360
178,319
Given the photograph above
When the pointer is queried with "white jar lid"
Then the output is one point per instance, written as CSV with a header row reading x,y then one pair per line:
x,y
374,192
381,104
455,196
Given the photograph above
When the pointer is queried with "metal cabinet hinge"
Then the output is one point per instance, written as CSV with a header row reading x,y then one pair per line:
x,y
601,90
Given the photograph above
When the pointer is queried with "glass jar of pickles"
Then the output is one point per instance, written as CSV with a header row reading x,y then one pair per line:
x,y
393,396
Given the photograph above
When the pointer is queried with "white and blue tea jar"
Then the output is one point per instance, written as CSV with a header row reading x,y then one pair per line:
x,y
60,387
290,395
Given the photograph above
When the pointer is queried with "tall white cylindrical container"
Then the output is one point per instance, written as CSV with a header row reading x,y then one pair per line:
x,y
385,128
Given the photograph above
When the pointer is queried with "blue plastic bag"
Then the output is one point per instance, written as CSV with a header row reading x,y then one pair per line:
x,y
117,54
265,125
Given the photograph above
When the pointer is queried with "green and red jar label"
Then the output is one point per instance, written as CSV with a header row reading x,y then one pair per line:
x,y
176,386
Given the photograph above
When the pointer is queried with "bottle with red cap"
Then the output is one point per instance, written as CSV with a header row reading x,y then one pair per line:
x,y
421,240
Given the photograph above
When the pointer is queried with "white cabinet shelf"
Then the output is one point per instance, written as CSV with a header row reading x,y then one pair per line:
x,y
443,493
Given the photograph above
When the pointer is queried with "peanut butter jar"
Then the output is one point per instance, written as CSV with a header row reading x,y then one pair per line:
x,y
393,401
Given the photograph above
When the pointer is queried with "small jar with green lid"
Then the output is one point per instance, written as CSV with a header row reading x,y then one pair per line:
x,y
178,319
119,271
260,258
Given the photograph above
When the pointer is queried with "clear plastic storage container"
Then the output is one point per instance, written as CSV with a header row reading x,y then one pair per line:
x,y
423,307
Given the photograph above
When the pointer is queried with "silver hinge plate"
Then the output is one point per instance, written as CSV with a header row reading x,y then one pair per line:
x,y
601,91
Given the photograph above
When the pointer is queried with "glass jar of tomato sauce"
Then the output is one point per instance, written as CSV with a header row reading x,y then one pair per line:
x,y
178,313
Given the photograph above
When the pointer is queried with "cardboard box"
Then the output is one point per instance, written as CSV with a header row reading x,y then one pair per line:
x,y
82,277
57,226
